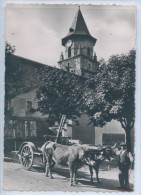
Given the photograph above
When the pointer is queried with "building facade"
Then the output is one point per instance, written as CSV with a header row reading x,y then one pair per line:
x,y
27,123
22,122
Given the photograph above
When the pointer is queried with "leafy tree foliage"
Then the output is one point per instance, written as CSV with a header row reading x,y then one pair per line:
x,y
9,49
60,93
112,93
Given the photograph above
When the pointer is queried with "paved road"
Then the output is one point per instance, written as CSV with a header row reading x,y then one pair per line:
x,y
16,178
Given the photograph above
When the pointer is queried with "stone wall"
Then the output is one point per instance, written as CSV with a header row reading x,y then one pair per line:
x,y
78,64
73,64
88,65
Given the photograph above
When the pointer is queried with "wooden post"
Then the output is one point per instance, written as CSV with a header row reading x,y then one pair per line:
x,y
15,144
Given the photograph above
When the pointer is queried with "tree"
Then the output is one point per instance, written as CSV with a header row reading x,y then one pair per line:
x,y
112,93
9,50
59,93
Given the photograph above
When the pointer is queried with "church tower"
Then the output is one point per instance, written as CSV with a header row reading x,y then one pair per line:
x,y
79,56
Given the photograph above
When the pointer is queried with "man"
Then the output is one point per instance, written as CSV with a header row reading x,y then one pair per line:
x,y
125,162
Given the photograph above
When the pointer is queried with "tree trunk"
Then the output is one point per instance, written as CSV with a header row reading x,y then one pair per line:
x,y
127,125
128,139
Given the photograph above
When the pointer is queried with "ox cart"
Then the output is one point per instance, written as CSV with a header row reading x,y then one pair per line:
x,y
31,156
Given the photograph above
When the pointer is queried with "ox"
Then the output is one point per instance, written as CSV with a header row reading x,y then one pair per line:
x,y
73,157
95,160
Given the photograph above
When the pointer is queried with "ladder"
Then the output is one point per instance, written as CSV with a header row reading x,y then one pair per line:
x,y
60,127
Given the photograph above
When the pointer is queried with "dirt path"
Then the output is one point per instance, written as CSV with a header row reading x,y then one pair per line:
x,y
16,178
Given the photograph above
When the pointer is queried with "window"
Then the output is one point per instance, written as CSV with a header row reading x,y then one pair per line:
x,y
29,106
69,52
88,51
68,67
89,66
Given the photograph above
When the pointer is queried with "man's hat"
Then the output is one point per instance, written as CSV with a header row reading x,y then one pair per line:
x,y
123,144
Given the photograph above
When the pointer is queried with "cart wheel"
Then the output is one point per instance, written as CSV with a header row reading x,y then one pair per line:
x,y
26,156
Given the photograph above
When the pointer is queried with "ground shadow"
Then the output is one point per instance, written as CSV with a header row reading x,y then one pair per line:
x,y
84,179
107,184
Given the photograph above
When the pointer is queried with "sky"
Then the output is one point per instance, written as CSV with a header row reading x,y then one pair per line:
x,y
36,30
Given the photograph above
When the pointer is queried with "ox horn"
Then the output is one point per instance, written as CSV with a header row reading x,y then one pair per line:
x,y
114,146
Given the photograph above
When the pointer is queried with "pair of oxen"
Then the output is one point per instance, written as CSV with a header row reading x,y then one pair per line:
x,y
74,157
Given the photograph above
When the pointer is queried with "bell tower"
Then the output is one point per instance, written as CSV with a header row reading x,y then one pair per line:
x,y
79,55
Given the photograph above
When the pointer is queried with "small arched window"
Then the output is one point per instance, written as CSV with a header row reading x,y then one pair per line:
x,y
69,52
88,51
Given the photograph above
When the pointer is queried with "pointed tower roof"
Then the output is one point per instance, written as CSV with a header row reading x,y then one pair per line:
x,y
78,27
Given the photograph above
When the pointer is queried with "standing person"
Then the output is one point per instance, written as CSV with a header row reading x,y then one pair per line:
x,y
125,162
